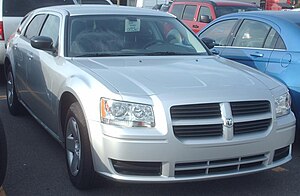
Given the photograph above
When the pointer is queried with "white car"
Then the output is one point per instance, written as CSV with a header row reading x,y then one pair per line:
x,y
132,94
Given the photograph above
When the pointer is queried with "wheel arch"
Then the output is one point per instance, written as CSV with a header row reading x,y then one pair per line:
x,y
66,100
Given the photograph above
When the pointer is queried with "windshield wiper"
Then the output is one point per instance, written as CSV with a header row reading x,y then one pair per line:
x,y
168,53
103,55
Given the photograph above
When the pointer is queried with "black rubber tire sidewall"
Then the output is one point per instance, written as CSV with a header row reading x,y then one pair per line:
x,y
15,108
84,179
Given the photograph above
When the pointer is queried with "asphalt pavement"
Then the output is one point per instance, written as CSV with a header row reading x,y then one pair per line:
x,y
36,167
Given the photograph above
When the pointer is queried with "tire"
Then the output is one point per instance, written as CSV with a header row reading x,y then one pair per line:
x,y
3,154
78,149
13,103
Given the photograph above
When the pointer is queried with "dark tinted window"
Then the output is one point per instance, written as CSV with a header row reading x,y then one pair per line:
x,y
251,34
220,31
204,11
177,10
22,7
280,44
34,26
222,10
51,29
271,39
189,12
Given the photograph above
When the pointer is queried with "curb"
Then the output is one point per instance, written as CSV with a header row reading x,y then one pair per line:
x,y
2,192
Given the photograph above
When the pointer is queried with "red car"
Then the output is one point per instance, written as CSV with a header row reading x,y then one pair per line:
x,y
198,13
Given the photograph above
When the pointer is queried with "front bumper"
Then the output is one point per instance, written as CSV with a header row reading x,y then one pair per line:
x,y
167,159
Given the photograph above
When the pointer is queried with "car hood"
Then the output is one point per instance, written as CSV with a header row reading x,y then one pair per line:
x,y
158,75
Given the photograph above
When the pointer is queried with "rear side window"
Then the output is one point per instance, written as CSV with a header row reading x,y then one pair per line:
x,y
219,32
189,12
34,26
177,10
22,7
280,44
252,34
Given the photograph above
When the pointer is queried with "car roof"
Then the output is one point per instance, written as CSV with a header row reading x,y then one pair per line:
x,y
278,16
88,9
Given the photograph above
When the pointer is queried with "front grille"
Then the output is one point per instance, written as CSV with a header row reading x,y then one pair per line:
x,y
251,126
281,153
137,168
196,111
216,167
250,107
205,120
198,131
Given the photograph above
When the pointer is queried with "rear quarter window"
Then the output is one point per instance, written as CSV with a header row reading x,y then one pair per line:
x,y
20,8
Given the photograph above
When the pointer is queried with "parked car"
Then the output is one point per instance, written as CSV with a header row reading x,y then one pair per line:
x,y
3,155
196,14
12,12
133,95
267,41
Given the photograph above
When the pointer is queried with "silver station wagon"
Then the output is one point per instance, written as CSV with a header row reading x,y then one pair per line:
x,y
133,95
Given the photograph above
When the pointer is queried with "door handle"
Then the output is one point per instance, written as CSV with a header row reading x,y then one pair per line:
x,y
195,26
257,54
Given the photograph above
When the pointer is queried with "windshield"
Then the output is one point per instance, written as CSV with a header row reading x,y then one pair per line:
x,y
222,9
93,36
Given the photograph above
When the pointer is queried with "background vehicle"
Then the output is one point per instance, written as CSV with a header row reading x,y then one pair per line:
x,y
133,94
267,41
12,11
196,14
3,154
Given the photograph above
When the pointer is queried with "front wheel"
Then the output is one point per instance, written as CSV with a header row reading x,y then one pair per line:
x,y
78,149
13,103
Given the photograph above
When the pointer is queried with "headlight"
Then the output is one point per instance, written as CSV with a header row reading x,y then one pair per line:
x,y
126,113
283,104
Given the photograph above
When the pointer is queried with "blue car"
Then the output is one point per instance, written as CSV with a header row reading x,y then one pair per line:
x,y
265,40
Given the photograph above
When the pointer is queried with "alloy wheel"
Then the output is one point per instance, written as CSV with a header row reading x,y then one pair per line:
x,y
73,146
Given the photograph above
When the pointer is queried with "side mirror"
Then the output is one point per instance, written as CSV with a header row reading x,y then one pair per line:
x,y
205,19
210,43
42,43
